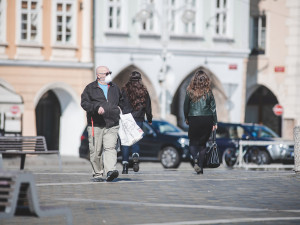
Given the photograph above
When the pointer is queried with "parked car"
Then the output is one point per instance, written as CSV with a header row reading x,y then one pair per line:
x,y
84,151
162,142
229,134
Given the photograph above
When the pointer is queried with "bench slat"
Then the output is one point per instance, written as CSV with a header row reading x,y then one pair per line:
x,y
5,204
2,196
6,189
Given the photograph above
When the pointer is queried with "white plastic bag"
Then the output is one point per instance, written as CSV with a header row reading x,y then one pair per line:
x,y
129,131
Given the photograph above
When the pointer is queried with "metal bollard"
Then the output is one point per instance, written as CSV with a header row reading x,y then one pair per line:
x,y
297,148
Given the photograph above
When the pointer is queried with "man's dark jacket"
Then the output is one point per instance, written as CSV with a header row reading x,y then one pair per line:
x,y
93,98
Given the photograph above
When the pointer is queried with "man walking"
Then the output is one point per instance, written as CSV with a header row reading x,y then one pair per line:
x,y
100,99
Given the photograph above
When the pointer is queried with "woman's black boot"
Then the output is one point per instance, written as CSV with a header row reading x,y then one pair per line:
x,y
197,168
125,168
201,159
135,159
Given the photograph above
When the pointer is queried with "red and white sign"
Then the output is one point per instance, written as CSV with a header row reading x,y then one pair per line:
x,y
278,110
279,69
232,66
15,109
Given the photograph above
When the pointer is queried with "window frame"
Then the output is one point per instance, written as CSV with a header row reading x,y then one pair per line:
x,y
153,19
229,19
179,25
123,17
39,28
189,26
64,15
256,41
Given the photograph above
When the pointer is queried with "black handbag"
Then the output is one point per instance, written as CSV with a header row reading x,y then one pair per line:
x,y
211,156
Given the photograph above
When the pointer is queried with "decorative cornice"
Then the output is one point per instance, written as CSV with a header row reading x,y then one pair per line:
x,y
36,63
242,53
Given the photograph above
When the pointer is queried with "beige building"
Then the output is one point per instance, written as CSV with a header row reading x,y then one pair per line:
x,y
272,76
46,57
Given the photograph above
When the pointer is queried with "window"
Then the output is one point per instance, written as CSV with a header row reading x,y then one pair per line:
x,y
2,20
259,34
172,15
222,132
221,18
164,127
236,132
147,129
190,28
30,20
65,21
114,15
148,26
262,132
181,21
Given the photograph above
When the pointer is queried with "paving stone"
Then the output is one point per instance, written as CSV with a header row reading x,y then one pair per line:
x,y
155,195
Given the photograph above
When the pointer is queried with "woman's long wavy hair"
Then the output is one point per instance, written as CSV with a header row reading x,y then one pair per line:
x,y
199,86
136,91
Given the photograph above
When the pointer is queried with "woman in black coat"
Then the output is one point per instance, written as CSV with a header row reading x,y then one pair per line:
x,y
136,100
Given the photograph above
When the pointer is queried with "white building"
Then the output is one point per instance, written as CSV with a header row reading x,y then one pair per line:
x,y
217,39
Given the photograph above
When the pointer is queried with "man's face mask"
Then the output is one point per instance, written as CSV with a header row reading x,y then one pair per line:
x,y
108,78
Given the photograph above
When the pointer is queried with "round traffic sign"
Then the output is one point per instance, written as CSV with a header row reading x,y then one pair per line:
x,y
278,110
15,109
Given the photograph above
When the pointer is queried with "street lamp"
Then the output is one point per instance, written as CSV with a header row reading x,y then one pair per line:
x,y
146,13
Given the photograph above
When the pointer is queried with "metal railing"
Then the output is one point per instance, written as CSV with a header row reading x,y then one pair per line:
x,y
242,143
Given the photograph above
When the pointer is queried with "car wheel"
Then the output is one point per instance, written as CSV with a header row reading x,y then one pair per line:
x,y
229,157
169,157
253,156
264,157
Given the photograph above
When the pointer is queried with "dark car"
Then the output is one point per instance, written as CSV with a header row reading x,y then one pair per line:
x,y
84,151
229,135
162,142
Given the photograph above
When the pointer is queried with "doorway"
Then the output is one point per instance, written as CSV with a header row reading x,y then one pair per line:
x,y
48,112
259,109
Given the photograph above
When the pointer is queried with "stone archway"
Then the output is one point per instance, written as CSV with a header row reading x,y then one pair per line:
x,y
259,109
71,119
219,94
122,78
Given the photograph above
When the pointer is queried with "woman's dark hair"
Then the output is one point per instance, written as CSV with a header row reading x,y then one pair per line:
x,y
199,86
136,91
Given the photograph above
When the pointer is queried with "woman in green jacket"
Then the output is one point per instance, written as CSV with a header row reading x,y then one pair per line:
x,y
201,116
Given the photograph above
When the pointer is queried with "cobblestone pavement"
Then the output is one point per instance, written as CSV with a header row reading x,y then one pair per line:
x,y
159,196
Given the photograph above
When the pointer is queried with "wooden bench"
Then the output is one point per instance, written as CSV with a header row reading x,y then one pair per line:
x,y
22,145
18,197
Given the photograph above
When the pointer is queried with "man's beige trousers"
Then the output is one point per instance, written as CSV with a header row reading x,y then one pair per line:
x,y
103,155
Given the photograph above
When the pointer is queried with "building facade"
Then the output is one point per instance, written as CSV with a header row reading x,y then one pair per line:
x,y
272,74
159,39
46,57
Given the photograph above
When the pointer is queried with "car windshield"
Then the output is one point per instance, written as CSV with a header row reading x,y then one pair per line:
x,y
164,127
262,132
